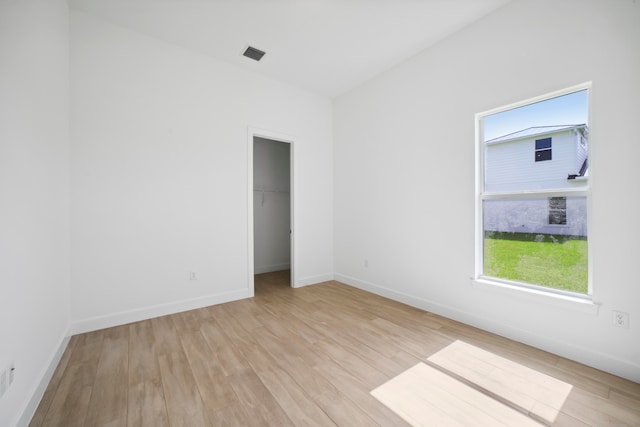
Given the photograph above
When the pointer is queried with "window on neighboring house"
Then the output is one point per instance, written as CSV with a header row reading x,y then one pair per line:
x,y
520,206
557,210
543,149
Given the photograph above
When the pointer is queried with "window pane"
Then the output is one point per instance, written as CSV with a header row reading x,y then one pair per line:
x,y
543,155
539,146
522,244
543,143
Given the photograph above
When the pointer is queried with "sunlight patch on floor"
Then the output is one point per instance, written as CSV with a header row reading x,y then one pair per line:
x,y
425,395
537,393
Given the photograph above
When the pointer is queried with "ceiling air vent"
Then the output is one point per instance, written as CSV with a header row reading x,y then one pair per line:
x,y
253,53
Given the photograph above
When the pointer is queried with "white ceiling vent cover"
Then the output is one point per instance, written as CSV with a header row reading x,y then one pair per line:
x,y
253,53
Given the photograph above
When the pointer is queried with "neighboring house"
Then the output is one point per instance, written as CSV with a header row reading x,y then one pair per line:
x,y
537,158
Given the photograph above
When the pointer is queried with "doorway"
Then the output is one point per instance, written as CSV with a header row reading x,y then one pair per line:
x,y
270,205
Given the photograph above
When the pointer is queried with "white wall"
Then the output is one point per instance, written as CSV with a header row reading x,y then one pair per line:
x,y
404,171
159,175
271,205
34,198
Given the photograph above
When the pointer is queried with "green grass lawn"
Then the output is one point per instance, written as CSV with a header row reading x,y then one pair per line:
x,y
554,264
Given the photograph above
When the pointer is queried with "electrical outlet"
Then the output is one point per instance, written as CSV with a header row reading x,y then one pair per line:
x,y
366,263
620,319
192,275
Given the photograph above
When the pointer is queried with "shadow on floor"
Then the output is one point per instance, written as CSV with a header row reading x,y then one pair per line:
x,y
269,282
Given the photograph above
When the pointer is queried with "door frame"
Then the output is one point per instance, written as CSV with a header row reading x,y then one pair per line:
x,y
280,137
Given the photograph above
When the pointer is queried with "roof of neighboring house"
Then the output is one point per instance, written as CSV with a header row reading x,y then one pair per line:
x,y
534,131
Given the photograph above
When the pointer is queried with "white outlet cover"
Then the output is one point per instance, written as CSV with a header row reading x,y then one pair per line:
x,y
621,319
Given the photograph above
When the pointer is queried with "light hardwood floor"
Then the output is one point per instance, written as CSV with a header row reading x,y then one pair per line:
x,y
312,356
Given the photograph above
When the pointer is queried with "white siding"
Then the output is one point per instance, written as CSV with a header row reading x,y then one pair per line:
x,y
581,150
511,166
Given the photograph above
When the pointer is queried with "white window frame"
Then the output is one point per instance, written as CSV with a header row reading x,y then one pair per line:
x,y
550,149
512,287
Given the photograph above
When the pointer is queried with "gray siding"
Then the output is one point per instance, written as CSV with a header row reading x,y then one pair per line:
x,y
532,216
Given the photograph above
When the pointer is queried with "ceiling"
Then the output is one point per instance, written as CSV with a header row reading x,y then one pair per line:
x,y
325,46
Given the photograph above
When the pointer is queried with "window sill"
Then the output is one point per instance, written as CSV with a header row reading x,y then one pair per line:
x,y
579,179
582,305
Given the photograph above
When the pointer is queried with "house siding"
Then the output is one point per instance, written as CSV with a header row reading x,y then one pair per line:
x,y
532,216
511,166
581,150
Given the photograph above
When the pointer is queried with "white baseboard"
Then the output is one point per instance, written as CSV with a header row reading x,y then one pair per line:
x,y
312,280
101,322
589,357
124,317
270,268
40,387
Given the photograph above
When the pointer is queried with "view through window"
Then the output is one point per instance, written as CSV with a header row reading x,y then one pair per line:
x,y
534,168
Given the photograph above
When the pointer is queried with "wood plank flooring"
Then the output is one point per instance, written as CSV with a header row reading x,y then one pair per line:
x,y
312,357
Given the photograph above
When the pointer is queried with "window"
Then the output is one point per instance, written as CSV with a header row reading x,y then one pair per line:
x,y
543,149
532,216
557,211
